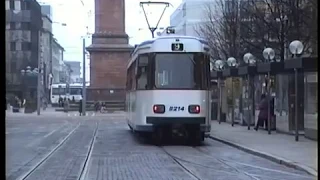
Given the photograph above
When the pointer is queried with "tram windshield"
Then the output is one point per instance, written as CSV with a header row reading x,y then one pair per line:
x,y
180,71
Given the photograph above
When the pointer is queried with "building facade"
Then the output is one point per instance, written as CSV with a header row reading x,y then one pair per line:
x,y
23,26
75,71
65,73
57,61
188,15
47,10
46,38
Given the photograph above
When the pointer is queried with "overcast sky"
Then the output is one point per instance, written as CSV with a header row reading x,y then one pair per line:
x,y
77,17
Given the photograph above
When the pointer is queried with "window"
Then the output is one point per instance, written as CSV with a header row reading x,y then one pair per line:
x,y
131,77
13,46
181,71
7,5
13,66
18,25
75,91
25,5
12,25
25,25
17,5
26,46
142,72
58,91
18,46
11,4
184,9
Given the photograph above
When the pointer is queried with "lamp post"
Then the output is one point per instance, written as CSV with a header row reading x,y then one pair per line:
x,y
248,58
219,65
296,48
28,73
268,55
232,63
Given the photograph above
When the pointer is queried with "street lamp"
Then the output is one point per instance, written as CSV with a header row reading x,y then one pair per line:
x,y
249,59
268,55
296,48
218,66
232,63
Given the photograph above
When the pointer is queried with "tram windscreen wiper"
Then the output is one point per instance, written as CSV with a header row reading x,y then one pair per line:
x,y
191,56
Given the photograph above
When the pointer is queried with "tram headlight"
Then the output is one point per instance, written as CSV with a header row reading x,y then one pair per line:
x,y
159,108
194,109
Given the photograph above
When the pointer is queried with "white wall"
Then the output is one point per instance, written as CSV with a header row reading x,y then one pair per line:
x,y
188,15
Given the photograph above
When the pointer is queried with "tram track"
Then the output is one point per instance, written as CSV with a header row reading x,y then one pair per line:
x,y
237,168
254,176
47,156
222,161
177,161
84,167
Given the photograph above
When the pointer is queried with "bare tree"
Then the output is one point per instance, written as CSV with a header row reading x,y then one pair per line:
x,y
221,28
275,23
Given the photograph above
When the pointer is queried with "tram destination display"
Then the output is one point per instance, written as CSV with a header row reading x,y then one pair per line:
x,y
177,47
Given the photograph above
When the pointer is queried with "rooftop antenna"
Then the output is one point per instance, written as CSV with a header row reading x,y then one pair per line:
x,y
153,29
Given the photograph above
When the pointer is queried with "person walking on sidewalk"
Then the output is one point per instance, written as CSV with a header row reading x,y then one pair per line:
x,y
263,112
80,107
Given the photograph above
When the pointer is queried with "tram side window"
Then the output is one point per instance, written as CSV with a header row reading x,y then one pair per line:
x,y
131,77
128,86
202,70
142,72
206,71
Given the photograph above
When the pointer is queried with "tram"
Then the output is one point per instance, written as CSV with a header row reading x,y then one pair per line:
x,y
168,82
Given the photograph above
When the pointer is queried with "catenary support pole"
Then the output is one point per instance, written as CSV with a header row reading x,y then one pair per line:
x,y
84,77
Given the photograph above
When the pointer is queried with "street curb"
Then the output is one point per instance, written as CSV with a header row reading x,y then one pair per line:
x,y
270,157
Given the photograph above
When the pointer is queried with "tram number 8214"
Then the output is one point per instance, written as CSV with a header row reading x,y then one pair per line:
x,y
176,108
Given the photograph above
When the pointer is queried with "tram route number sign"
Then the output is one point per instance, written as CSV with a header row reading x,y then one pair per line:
x,y
177,47
176,108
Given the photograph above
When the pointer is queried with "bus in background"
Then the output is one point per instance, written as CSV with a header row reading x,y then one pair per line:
x,y
60,90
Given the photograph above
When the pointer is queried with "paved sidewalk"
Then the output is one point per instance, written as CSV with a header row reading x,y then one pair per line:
x,y
280,148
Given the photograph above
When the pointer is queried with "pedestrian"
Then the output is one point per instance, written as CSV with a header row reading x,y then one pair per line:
x,y
60,101
63,101
16,104
263,112
80,107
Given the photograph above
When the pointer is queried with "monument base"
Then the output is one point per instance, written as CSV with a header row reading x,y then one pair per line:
x,y
109,55
106,94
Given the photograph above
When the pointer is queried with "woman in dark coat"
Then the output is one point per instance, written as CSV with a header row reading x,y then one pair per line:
x,y
80,107
263,113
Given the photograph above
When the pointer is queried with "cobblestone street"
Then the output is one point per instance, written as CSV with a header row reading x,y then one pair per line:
x,y
103,148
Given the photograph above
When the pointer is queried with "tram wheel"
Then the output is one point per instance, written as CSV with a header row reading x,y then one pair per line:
x,y
195,137
157,136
